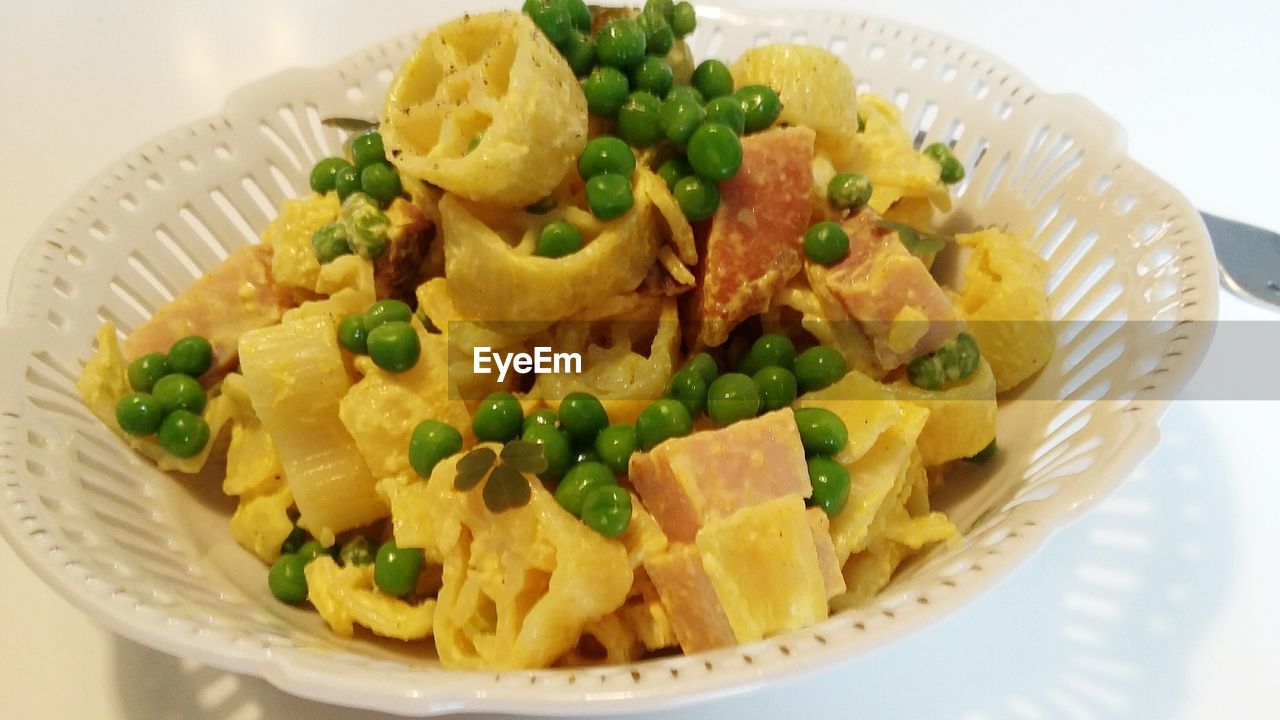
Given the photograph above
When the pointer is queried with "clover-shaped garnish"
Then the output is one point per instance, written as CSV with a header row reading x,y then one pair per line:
x,y
505,487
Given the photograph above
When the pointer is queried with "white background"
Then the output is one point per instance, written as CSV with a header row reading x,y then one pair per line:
x,y
1159,604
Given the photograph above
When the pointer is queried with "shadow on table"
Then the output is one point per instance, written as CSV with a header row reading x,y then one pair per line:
x,y
1100,625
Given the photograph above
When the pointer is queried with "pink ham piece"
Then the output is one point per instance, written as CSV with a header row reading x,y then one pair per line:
x,y
685,589
880,282
685,482
820,526
235,297
754,243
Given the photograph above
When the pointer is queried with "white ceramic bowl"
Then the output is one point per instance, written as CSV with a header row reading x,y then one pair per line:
x,y
150,555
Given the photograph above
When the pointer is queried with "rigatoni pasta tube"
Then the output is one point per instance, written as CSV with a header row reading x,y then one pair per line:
x,y
296,379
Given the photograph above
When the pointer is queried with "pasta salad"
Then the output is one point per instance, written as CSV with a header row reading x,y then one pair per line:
x,y
591,350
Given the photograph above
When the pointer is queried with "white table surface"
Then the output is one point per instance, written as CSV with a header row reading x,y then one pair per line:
x,y
1159,604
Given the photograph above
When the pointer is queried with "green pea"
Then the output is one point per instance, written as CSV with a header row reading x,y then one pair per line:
x,y
822,432
952,169
356,552
346,182
777,387
615,445
584,455
606,154
324,176
385,311
690,389
578,481
674,169
698,198
192,355
431,442
819,367
580,14
653,75
659,37
926,373
962,358
732,397
661,420
558,239
688,92
552,18
621,43
771,349
396,569
830,481
607,510
609,195
183,433
179,392
582,417
311,550
353,335
704,365
540,418
286,579
297,536
146,370
715,152
684,19
580,52
713,79
849,190
394,346
728,112
542,207
139,413
474,142
498,418
366,225
983,456
606,88
555,448
826,243
329,242
679,117
638,119
662,8
953,362
760,106
381,182
366,149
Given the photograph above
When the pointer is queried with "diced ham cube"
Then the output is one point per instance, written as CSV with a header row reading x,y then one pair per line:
x,y
820,525
686,482
756,235
891,294
235,297
686,592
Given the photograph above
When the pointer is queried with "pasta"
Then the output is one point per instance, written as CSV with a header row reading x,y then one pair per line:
x,y
494,77
763,381
297,378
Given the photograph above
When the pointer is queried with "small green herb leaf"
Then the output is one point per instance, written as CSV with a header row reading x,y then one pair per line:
x,y
472,468
506,489
916,242
524,456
